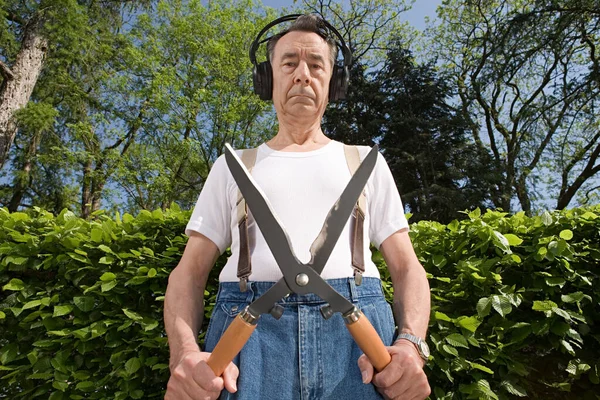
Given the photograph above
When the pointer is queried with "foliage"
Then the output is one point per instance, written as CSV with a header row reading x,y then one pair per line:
x,y
81,306
405,108
514,303
526,74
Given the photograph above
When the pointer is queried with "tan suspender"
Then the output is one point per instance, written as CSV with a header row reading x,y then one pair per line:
x,y
357,227
245,260
356,239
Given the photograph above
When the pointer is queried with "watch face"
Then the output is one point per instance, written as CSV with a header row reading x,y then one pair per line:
x,y
424,348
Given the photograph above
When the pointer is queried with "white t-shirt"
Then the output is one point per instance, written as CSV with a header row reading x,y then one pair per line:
x,y
301,188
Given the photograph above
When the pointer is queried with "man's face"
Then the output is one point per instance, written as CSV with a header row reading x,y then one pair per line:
x,y
301,73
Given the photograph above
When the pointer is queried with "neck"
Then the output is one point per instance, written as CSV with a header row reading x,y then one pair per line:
x,y
298,138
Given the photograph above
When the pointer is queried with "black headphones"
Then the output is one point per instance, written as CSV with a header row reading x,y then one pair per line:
x,y
262,75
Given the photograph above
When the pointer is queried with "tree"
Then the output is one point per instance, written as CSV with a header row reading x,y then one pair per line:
x,y
189,61
80,38
404,107
527,79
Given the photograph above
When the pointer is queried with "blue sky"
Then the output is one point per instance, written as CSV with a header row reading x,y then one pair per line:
x,y
416,16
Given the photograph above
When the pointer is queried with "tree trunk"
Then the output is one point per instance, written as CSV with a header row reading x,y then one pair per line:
x,y
24,179
19,82
86,190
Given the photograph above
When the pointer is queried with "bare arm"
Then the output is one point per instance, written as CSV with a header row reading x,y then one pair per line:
x,y
184,298
411,289
404,377
191,378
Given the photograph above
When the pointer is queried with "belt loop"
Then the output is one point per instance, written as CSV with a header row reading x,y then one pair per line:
x,y
251,292
353,290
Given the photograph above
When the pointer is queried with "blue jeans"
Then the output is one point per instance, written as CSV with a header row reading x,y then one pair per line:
x,y
301,355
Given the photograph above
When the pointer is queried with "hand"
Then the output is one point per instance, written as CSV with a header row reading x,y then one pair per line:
x,y
192,379
403,378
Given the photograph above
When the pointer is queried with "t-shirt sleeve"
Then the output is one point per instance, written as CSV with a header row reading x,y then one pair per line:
x,y
386,212
212,214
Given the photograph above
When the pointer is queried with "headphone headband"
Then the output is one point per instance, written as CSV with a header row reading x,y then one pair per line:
x,y
262,74
291,17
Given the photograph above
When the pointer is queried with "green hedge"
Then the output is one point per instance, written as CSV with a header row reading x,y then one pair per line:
x,y
515,304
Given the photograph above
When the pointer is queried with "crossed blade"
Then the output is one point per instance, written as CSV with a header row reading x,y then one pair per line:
x,y
279,243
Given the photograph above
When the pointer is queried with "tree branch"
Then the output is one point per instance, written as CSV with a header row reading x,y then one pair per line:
x,y
6,72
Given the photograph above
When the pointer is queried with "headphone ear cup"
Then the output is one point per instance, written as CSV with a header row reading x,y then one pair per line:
x,y
262,77
339,83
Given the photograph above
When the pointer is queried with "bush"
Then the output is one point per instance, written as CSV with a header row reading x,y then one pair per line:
x,y
514,304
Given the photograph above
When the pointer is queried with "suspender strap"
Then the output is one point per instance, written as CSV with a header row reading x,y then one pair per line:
x,y
357,227
244,261
357,238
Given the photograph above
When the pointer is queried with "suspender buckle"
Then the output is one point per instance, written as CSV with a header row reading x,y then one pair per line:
x,y
358,277
243,284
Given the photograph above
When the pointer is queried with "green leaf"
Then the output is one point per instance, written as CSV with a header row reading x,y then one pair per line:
x,y
457,340
440,316
96,235
575,297
469,323
513,389
502,305
62,310
484,306
566,234
513,240
439,260
108,286
14,284
62,386
84,303
86,386
31,304
556,281
107,276
132,365
546,305
9,353
450,350
481,368
105,249
547,218
2,315
132,315
151,273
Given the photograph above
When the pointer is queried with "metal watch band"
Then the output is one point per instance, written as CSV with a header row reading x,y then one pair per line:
x,y
418,342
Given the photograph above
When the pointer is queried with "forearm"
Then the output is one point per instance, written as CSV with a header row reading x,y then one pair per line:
x,y
412,300
183,314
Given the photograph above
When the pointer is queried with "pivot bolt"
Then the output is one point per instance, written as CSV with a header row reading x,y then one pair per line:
x,y
302,279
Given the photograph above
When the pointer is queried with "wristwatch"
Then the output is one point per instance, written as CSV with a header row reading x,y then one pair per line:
x,y
419,343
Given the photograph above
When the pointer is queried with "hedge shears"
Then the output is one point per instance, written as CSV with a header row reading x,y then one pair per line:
x,y
298,277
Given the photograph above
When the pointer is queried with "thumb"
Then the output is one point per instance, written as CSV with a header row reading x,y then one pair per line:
x,y
366,368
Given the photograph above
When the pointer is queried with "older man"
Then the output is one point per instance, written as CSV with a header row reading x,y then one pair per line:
x,y
302,172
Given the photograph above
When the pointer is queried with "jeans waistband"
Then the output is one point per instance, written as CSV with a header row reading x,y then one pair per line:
x,y
370,287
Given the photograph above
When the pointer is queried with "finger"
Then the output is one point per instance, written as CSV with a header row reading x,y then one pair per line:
x,y
391,374
230,376
366,368
207,380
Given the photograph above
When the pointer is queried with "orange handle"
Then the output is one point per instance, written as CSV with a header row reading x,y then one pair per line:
x,y
230,344
369,341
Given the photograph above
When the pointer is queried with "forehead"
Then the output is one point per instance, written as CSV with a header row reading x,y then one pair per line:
x,y
298,41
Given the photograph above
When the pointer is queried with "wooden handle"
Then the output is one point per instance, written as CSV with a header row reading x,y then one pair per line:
x,y
230,344
369,342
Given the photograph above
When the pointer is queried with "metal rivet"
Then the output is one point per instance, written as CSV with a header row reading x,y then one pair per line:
x,y
302,279
234,308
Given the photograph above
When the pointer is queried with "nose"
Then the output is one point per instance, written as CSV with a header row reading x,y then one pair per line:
x,y
302,75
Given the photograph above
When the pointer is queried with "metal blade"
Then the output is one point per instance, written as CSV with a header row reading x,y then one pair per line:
x,y
276,237
340,212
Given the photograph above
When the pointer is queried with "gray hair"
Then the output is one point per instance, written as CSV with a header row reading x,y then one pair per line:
x,y
306,23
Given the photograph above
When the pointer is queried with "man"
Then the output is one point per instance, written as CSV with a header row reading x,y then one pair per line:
x,y
302,172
